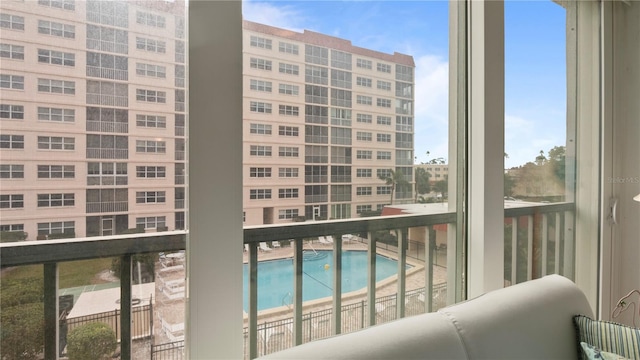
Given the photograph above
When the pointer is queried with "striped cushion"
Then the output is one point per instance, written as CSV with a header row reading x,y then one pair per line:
x,y
607,336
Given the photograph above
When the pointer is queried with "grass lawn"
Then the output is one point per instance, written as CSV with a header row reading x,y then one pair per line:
x,y
71,274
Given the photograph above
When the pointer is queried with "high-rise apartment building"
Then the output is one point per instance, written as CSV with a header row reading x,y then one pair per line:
x,y
92,116
323,121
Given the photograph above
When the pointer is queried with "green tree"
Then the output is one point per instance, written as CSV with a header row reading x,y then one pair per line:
x,y
557,156
22,319
509,184
422,185
441,187
393,179
92,341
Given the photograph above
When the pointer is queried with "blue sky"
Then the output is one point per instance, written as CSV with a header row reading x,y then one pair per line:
x,y
535,84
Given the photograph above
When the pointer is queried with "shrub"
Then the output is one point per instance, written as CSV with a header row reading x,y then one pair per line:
x,y
91,341
22,331
9,236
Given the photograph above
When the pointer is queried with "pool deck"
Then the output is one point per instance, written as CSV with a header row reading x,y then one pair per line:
x,y
170,305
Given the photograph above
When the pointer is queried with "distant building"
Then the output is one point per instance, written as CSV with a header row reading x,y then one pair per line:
x,y
437,171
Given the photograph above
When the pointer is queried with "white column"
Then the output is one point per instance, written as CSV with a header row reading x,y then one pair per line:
x,y
486,147
214,243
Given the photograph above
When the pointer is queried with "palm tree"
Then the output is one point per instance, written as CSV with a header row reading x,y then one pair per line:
x,y
393,178
422,185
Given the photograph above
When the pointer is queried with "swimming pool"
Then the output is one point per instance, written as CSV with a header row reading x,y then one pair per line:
x,y
275,277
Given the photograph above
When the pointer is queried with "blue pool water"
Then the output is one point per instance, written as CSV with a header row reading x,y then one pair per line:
x,y
275,277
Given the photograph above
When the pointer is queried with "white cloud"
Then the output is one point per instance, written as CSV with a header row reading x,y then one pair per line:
x,y
286,17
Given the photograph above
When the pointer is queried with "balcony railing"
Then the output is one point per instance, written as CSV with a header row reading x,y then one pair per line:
x,y
543,239
113,74
107,207
107,153
103,126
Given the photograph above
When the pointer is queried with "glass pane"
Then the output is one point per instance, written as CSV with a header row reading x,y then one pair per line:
x,y
371,129
539,138
82,180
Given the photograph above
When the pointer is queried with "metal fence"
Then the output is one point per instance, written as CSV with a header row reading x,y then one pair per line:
x,y
141,318
169,351
278,335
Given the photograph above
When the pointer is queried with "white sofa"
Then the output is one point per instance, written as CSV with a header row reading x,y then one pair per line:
x,y
532,320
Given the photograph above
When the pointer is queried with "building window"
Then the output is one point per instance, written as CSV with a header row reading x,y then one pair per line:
x,y
316,114
260,150
383,138
404,106
384,85
260,107
287,214
288,172
56,114
151,146
56,143
60,4
362,81
404,73
107,93
55,200
384,120
315,174
288,110
340,60
316,154
340,155
180,98
150,197
316,55
364,154
340,98
12,227
56,57
383,102
57,86
11,141
151,96
10,51
150,70
11,171
341,117
56,29
180,75
316,75
13,22
106,173
255,194
288,193
383,173
404,90
287,89
59,227
151,172
363,136
259,172
151,222
288,69
288,130
316,134
341,174
288,48
404,123
341,193
384,155
8,111
341,79
150,19
15,82
385,68
260,85
261,64
260,129
107,120
316,94
364,118
363,190
316,194
107,39
363,100
288,151
151,45
56,171
362,208
364,64
340,136
180,51
363,173
13,201
404,141
107,147
108,12
151,121
383,190
260,42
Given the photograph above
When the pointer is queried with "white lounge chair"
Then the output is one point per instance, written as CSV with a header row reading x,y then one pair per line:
x,y
323,240
265,247
330,239
275,244
246,247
